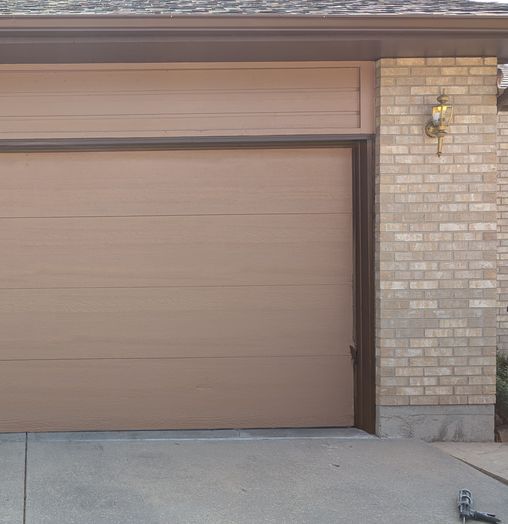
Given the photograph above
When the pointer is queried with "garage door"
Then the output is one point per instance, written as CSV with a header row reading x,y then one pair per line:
x,y
176,289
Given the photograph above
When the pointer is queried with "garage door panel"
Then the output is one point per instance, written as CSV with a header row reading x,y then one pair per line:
x,y
184,393
176,251
176,289
176,183
175,322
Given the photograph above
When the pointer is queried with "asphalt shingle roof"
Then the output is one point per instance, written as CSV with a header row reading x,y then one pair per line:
x,y
251,7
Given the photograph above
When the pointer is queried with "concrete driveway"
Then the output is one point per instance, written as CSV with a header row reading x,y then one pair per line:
x,y
236,477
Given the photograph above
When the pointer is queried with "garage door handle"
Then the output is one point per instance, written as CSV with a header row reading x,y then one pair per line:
x,y
354,354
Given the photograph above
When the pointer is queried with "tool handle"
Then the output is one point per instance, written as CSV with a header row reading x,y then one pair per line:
x,y
485,517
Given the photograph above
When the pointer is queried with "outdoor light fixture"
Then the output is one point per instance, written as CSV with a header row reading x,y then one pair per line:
x,y
441,118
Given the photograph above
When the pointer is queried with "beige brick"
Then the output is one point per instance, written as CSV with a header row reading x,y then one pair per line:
x,y
423,381
434,370
454,71
425,362
471,61
445,61
393,400
453,399
423,304
468,390
423,400
409,62
397,71
481,399
409,372
468,370
483,71
439,390
482,379
453,380
411,390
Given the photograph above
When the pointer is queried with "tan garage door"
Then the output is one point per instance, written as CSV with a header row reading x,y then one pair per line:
x,y
175,289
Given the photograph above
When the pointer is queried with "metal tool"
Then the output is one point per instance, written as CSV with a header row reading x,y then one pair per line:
x,y
466,511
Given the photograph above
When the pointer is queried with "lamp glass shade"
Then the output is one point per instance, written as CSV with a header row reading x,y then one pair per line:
x,y
442,115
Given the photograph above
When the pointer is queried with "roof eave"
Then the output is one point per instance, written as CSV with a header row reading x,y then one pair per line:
x,y
260,37
402,22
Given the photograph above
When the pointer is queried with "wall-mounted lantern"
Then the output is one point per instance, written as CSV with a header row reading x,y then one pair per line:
x,y
441,118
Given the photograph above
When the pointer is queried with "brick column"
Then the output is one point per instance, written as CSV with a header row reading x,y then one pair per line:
x,y
436,251
502,232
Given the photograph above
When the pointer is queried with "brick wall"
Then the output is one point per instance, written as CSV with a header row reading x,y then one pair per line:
x,y
502,232
436,235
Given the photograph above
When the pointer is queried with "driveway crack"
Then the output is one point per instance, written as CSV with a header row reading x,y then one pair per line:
x,y
24,478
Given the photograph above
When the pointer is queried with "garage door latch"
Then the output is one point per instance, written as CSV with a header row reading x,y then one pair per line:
x,y
354,354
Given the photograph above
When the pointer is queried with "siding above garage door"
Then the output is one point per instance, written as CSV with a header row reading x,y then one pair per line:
x,y
153,100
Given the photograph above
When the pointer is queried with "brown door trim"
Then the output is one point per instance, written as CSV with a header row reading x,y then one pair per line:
x,y
363,223
31,145
364,288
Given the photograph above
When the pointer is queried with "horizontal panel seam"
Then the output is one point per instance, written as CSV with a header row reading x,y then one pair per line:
x,y
160,116
56,217
239,357
22,94
341,283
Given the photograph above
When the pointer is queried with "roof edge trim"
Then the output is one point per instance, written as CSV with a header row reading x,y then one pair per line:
x,y
475,23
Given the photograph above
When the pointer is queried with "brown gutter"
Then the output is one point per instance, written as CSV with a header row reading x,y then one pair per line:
x,y
62,39
397,23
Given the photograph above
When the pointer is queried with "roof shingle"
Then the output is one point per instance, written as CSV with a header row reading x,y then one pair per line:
x,y
251,7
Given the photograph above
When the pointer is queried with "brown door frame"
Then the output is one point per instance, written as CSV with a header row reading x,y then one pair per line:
x,y
362,146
